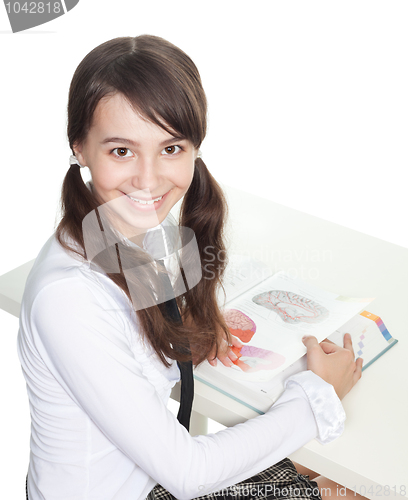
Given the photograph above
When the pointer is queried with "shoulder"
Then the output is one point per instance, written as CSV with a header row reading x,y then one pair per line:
x,y
79,310
59,276
52,264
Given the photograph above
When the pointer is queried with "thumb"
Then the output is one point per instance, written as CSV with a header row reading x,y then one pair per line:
x,y
329,347
309,341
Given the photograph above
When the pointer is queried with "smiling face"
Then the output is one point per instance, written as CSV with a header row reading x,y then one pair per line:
x,y
133,159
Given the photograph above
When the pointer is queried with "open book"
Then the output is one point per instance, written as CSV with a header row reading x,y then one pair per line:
x,y
270,313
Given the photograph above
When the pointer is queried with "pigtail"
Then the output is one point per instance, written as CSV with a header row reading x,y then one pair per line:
x,y
204,210
75,203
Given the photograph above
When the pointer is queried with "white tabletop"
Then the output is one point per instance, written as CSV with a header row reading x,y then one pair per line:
x,y
373,451
372,454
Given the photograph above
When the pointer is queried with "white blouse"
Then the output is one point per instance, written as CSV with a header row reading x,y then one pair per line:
x,y
100,425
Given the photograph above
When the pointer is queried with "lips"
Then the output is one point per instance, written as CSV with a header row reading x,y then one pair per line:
x,y
147,204
154,198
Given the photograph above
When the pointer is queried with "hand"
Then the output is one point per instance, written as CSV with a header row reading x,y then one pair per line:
x,y
225,353
333,363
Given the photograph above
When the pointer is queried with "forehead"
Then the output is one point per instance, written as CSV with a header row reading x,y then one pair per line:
x,y
114,116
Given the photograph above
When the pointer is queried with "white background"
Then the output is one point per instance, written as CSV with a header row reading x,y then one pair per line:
x,y
308,107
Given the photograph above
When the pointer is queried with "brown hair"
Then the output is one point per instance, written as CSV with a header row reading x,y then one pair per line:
x,y
162,83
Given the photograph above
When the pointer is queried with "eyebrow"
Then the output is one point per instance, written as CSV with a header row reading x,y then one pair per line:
x,y
122,140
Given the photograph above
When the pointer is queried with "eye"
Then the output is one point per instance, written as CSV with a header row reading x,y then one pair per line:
x,y
122,152
171,150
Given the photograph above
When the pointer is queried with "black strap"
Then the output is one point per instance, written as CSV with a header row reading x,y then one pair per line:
x,y
186,368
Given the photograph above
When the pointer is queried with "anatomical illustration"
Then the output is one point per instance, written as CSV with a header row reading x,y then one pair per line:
x,y
291,307
250,358
240,324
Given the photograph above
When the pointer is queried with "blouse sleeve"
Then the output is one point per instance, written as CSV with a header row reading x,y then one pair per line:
x,y
85,348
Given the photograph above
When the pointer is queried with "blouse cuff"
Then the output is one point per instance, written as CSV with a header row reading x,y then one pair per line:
x,y
326,406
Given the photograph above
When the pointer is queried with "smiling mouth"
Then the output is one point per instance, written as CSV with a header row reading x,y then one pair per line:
x,y
142,202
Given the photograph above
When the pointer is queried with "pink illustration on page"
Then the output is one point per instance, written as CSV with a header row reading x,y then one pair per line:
x,y
239,324
253,359
250,358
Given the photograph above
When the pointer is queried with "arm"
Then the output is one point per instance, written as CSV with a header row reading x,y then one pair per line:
x,y
84,346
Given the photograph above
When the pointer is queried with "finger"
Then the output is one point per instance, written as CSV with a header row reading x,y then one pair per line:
x,y
360,361
225,360
329,347
232,356
236,342
309,341
236,351
211,358
223,353
358,371
347,342
327,340
222,350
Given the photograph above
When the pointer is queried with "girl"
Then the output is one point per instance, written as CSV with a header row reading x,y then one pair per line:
x,y
101,341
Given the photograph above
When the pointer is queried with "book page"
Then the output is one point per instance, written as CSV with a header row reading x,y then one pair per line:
x,y
369,335
271,319
241,274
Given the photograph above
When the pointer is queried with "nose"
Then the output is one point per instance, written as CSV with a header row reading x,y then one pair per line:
x,y
146,174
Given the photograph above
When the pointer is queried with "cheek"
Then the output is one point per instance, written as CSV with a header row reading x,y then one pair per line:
x,y
105,176
187,177
101,179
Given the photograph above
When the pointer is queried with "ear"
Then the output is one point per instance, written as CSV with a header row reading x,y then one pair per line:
x,y
197,153
78,151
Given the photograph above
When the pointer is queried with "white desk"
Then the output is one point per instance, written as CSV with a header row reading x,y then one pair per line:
x,y
373,451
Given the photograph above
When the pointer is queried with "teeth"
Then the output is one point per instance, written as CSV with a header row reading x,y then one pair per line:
x,y
146,202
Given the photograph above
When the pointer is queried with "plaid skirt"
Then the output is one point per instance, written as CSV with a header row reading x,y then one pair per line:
x,y
280,481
